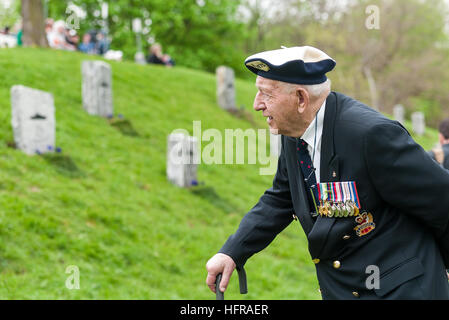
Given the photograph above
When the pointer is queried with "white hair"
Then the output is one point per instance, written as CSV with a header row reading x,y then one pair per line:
x,y
314,90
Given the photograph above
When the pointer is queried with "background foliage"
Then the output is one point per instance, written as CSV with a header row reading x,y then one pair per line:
x,y
196,34
404,61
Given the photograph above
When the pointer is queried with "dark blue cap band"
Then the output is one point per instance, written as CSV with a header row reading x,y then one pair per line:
x,y
295,71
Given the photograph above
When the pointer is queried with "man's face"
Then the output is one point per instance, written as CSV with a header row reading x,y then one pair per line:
x,y
442,139
279,107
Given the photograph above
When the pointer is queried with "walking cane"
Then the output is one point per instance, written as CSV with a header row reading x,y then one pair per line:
x,y
242,284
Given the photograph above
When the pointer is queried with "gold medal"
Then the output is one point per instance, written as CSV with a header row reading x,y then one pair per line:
x,y
327,209
333,211
321,210
350,207
338,212
341,210
356,210
346,210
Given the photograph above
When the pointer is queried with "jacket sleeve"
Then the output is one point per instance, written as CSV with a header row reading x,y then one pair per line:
x,y
407,178
259,227
431,154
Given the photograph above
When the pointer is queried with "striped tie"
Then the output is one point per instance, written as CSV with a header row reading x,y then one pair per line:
x,y
308,171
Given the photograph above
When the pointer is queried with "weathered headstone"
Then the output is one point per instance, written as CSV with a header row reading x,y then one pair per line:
x,y
139,58
418,123
33,120
275,144
226,88
182,159
97,88
398,113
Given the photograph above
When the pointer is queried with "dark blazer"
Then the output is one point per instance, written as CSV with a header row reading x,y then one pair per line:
x,y
406,192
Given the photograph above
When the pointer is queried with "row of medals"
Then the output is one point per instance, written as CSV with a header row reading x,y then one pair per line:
x,y
339,209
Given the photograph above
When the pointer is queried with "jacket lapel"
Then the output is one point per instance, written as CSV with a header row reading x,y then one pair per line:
x,y
329,172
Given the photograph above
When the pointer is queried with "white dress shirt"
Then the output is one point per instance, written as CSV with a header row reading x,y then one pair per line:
x,y
309,137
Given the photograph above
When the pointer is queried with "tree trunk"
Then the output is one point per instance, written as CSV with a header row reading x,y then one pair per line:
x,y
372,88
33,24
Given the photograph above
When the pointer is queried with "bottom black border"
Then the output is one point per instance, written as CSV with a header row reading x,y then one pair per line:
x,y
230,309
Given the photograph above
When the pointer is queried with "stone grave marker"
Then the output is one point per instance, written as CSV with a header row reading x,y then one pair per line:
x,y
182,160
97,88
226,88
418,123
33,120
398,113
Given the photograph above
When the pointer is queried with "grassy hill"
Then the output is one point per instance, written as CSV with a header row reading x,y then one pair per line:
x,y
104,203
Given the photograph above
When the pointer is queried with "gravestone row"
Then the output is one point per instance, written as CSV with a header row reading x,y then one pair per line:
x,y
418,119
34,124
33,111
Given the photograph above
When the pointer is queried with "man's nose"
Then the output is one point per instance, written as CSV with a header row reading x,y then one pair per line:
x,y
258,104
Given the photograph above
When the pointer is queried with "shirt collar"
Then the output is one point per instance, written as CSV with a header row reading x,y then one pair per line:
x,y
309,134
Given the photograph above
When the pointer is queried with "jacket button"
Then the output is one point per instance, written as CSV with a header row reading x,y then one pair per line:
x,y
346,237
336,264
316,261
355,294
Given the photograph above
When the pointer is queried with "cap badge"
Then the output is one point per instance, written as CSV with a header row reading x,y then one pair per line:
x,y
259,65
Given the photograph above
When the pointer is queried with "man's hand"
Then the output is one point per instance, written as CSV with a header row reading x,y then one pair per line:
x,y
220,263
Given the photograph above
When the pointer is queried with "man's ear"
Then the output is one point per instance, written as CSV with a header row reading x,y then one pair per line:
x,y
303,99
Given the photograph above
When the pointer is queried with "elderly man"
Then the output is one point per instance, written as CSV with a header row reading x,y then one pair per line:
x,y
370,200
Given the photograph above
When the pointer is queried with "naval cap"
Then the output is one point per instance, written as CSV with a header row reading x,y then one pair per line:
x,y
300,65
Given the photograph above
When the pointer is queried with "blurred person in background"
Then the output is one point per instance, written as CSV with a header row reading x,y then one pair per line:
x,y
56,37
87,46
168,61
6,30
18,28
102,43
7,40
49,26
157,57
441,153
72,39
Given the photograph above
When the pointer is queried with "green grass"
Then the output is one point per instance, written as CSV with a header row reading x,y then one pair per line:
x,y
105,205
